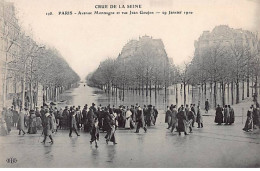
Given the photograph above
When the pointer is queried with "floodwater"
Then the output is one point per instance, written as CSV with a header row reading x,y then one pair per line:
x,y
87,95
210,146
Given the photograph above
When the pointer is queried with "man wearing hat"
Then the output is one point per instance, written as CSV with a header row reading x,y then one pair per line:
x,y
84,117
32,123
73,122
26,117
140,120
47,129
78,117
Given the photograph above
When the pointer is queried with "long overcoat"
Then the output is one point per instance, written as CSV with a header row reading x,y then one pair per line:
x,y
181,116
47,129
219,115
20,124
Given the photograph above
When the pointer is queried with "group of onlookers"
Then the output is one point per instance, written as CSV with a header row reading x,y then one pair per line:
x,y
183,118
225,115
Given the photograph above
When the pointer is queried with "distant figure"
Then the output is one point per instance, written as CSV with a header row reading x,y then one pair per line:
x,y
155,114
168,117
192,108
226,115
199,118
232,115
84,85
207,105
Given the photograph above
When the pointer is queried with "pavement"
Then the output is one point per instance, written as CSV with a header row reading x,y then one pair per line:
x,y
210,146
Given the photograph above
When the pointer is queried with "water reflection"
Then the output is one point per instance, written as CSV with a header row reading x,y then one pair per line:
x,y
111,151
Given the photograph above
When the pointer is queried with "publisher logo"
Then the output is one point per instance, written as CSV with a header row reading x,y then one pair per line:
x,y
11,160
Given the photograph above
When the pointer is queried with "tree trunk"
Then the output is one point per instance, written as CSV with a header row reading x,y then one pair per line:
x,y
237,91
184,89
215,94
223,93
150,88
247,84
205,89
232,92
243,89
256,92
176,94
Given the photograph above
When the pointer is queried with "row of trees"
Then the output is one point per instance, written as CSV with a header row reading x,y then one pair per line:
x,y
28,64
223,59
232,61
142,65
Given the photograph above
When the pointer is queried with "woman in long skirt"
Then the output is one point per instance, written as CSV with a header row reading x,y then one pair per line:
x,y
249,121
128,119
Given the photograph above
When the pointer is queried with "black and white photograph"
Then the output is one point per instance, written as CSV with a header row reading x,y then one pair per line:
x,y
129,84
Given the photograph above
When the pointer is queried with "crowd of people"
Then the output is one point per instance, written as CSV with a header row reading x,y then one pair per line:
x,y
49,119
183,118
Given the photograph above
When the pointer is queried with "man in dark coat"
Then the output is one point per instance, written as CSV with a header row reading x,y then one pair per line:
x,y
207,105
199,118
32,123
219,115
90,119
47,127
107,120
65,118
140,120
155,114
174,120
190,119
133,110
84,117
73,122
181,116
192,108
15,117
149,115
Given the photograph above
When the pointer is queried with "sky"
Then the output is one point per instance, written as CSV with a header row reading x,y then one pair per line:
x,y
85,41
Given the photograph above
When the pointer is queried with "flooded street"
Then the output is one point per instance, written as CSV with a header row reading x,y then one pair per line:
x,y
211,146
